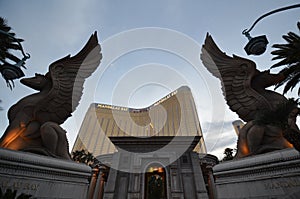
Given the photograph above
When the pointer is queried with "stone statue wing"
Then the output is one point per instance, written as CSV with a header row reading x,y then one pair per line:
x,y
235,74
68,75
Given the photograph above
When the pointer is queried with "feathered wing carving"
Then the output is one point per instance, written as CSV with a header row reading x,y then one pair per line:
x,y
68,75
236,74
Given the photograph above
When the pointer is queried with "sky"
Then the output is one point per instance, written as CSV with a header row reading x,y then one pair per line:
x,y
150,48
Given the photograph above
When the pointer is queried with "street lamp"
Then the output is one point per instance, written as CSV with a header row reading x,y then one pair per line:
x,y
258,45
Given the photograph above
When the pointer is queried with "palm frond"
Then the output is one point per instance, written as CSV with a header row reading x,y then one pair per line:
x,y
290,72
281,63
12,57
289,56
8,43
291,83
3,25
292,36
14,46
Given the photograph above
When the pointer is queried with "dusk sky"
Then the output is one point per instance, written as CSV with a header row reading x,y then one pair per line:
x,y
150,48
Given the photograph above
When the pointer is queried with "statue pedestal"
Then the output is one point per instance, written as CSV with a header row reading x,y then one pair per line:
x,y
42,176
270,175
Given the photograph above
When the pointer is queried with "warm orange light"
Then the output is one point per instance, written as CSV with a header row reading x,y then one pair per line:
x,y
155,169
289,145
245,149
160,169
10,137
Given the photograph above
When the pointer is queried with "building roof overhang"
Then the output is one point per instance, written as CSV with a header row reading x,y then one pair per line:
x,y
155,143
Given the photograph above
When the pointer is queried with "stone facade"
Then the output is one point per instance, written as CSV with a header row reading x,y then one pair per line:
x,y
271,175
42,176
132,167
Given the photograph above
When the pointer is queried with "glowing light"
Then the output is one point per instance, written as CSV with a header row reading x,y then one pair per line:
x,y
289,145
10,137
151,125
156,169
165,98
245,149
119,108
160,170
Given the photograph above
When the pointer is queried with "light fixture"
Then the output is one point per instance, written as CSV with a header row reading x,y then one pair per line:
x,y
258,45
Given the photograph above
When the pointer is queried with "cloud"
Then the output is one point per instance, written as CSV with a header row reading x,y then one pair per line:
x,y
218,136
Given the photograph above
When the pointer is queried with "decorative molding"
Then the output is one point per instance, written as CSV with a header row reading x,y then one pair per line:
x,y
267,165
44,165
271,175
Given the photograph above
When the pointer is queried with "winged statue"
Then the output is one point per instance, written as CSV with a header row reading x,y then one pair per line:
x,y
244,89
34,121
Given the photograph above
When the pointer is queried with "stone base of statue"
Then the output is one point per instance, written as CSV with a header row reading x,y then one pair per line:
x,y
270,175
42,176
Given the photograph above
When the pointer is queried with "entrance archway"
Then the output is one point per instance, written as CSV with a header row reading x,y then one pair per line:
x,y
155,182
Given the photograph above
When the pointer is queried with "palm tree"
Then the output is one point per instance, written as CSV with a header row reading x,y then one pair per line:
x,y
90,159
78,156
83,156
9,63
289,54
7,43
228,152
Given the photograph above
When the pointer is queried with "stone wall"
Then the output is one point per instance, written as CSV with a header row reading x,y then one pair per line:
x,y
271,175
42,176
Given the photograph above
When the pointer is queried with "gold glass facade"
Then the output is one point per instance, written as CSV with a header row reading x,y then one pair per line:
x,y
173,115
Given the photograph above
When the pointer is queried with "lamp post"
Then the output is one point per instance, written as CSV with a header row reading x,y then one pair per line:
x,y
258,45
